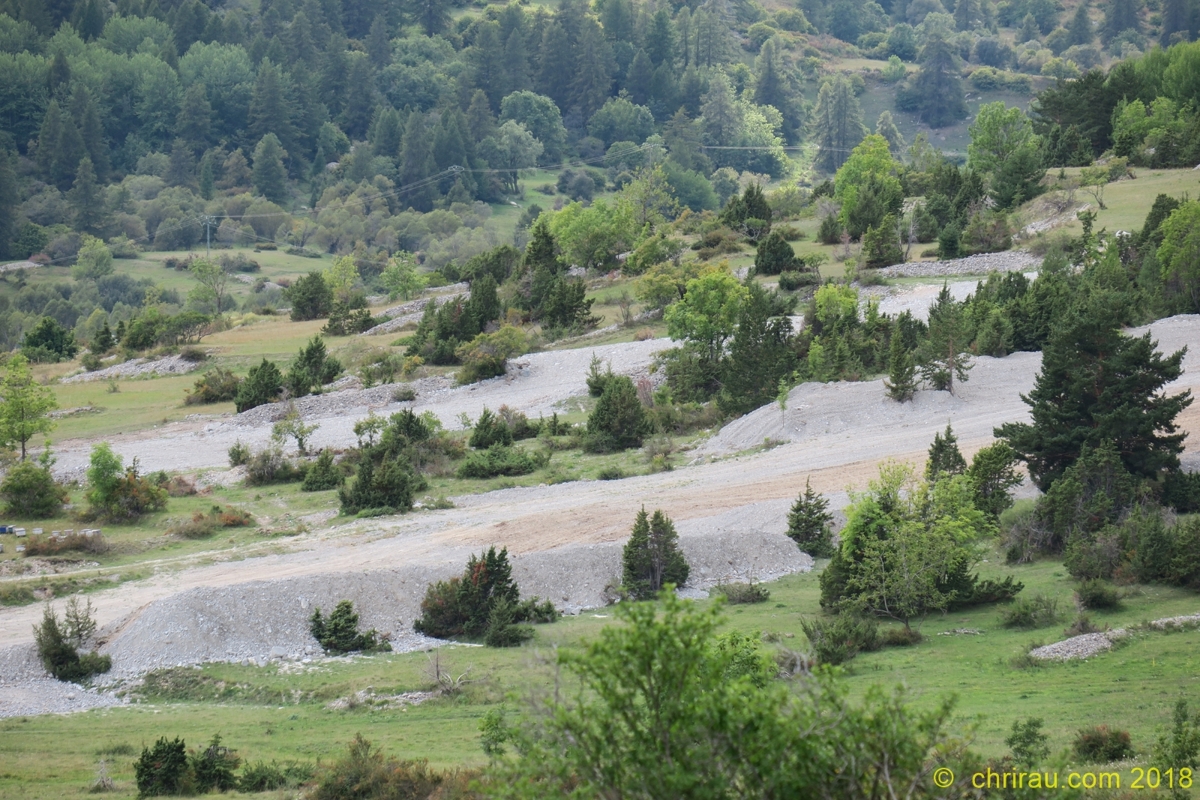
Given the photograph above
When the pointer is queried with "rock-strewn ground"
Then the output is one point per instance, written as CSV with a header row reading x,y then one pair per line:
x,y
138,368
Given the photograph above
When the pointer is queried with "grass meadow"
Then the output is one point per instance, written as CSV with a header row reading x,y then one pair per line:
x,y
282,712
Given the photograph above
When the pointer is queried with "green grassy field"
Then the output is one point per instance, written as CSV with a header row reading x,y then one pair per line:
x,y
1129,200
281,712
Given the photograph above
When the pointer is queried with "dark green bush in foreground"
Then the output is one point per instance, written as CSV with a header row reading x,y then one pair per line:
x,y
339,633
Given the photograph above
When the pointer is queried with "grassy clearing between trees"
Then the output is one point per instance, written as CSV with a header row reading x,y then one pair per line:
x,y
1129,200
276,713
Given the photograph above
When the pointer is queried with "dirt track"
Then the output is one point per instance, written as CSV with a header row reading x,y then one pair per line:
x,y
731,511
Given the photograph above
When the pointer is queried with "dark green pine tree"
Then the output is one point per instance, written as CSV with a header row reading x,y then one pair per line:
x,y
943,357
881,245
944,456
1176,18
555,65
481,122
1097,384
91,131
837,123
691,91
181,168
617,18
1079,31
664,92
387,133
205,181
89,20
417,162
487,62
194,123
452,147
1029,31
774,255
379,43
263,384
301,44
760,353
269,175
967,14
9,200
651,557
86,199
270,108
60,147
357,16
592,80
59,79
359,106
516,63
335,76
189,21
901,382
661,39
432,15
639,78
809,523
773,88
938,85
1121,16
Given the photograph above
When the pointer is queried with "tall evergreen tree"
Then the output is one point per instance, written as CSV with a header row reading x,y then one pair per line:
x,y
1095,385
555,65
432,15
968,14
901,383
938,85
837,123
481,122
387,133
91,131
269,176
9,200
270,108
379,43
617,18
885,126
516,63
417,163
1079,31
86,199
639,78
1177,17
360,98
194,122
89,20
760,353
486,57
1029,31
335,75
651,557
720,115
1121,16
943,356
181,168
593,72
772,87
661,38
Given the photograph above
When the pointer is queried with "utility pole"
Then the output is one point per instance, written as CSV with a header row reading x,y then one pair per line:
x,y
208,222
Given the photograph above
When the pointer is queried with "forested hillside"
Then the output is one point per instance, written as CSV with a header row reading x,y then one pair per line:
x,y
378,128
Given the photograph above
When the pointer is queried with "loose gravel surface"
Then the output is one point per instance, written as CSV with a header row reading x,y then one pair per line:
x,y
730,507
27,697
138,368
1090,644
982,264
538,384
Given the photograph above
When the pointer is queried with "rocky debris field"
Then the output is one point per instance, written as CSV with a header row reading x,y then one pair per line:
x,y
48,696
410,313
538,384
982,264
1090,644
262,621
138,368
1085,646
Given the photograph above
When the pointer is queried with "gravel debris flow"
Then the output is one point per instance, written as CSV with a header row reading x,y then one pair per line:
x,y
981,264
138,368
